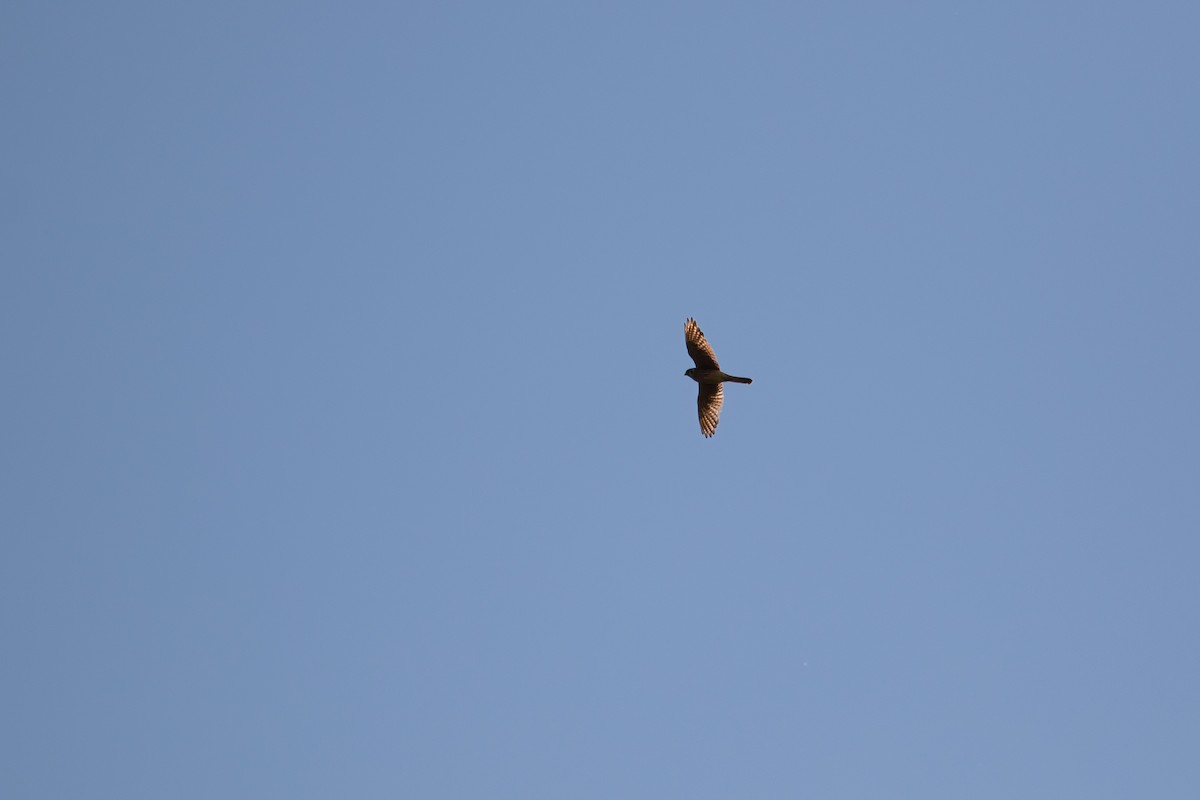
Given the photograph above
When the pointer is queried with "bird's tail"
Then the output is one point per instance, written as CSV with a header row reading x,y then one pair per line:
x,y
738,380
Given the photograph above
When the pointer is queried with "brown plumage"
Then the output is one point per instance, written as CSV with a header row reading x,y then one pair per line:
x,y
708,374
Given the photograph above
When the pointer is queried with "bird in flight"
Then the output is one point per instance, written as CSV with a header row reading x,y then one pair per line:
x,y
708,374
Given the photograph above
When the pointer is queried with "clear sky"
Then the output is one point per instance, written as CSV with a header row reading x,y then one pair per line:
x,y
347,450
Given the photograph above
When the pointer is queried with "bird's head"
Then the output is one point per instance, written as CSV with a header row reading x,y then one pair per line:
x,y
691,373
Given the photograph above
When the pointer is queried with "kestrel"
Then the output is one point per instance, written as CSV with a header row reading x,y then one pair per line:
x,y
708,374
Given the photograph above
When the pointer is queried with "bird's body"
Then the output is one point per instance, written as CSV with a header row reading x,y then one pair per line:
x,y
708,374
713,376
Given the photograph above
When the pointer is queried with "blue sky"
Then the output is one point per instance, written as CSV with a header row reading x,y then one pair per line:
x,y
348,452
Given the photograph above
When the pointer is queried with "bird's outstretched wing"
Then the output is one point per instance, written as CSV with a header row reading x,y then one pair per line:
x,y
708,403
700,351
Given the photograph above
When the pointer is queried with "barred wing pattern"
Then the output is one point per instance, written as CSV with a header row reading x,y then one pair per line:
x,y
700,351
708,403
